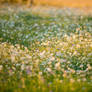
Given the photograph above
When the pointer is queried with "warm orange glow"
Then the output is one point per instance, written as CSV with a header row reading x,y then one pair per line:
x,y
59,3
70,3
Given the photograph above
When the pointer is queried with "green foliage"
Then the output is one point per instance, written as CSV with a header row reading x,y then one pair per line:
x,y
45,53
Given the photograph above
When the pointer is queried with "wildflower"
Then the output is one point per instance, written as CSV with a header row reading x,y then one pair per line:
x,y
40,73
78,46
57,65
59,54
72,80
48,69
52,58
84,79
81,66
1,67
89,66
72,70
75,53
13,58
22,67
42,54
78,80
64,75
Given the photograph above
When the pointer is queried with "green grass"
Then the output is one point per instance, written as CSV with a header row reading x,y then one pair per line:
x,y
45,53
24,27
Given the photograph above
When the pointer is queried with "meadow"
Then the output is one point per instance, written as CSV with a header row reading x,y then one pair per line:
x,y
45,50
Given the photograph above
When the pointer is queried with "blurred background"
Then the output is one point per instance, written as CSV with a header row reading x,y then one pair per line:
x,y
59,3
